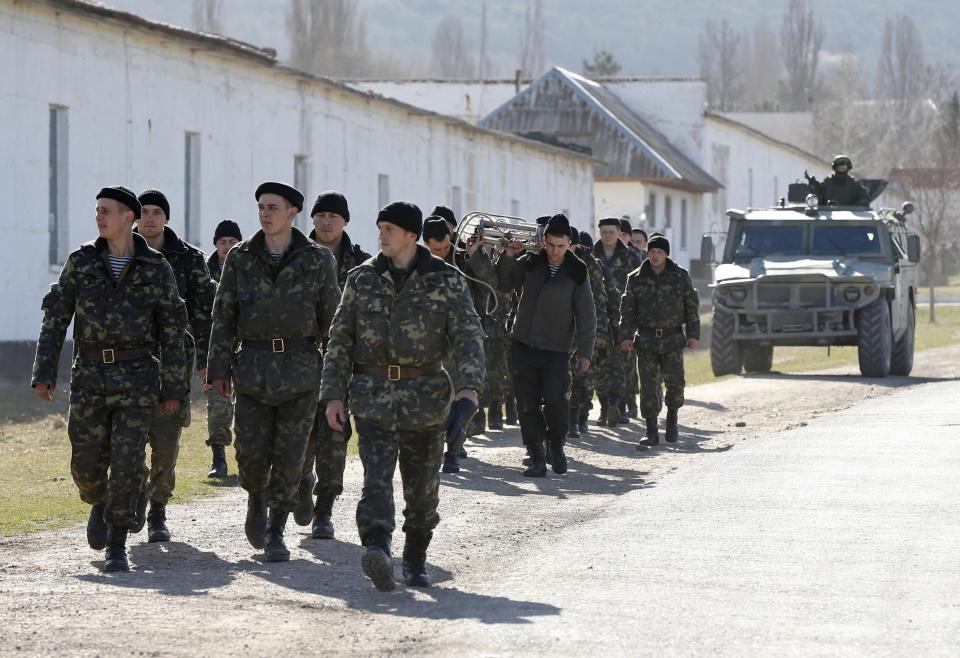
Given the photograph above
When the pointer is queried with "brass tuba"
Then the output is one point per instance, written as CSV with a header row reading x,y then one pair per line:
x,y
499,228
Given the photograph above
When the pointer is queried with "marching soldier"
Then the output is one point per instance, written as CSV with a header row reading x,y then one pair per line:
x,y
122,298
328,449
276,297
220,409
659,316
639,239
582,390
197,289
401,312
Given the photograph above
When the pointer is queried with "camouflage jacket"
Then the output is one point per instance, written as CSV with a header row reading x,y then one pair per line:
x,y
259,300
348,256
214,266
197,289
668,302
843,191
142,309
599,287
376,325
477,267
623,262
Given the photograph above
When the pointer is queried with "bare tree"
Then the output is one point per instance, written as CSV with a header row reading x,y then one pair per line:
x,y
801,37
327,38
483,64
721,64
901,72
208,16
603,65
841,117
451,56
531,46
762,67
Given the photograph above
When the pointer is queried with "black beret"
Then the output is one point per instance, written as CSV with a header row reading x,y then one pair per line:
x,y
291,194
403,214
445,213
574,235
586,240
155,198
227,229
331,201
542,221
659,242
435,228
639,231
625,226
610,221
123,195
558,225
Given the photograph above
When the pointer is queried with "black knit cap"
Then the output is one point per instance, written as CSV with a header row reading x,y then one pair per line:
x,y
558,225
542,221
659,242
404,214
586,240
155,198
289,193
123,195
574,235
639,231
435,228
625,226
445,213
227,229
609,221
331,201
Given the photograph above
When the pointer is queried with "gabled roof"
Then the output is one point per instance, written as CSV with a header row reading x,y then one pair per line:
x,y
664,161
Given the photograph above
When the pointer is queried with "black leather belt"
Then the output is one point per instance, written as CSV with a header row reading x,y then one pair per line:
x,y
278,345
396,373
112,355
659,332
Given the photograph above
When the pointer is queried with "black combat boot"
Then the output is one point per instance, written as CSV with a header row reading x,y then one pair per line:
x,y
574,431
495,415
256,523
376,561
451,461
116,557
218,469
322,517
559,462
141,517
632,408
97,530
303,512
415,558
274,548
653,435
582,422
624,414
602,420
157,523
538,461
672,432
511,411
479,423
613,413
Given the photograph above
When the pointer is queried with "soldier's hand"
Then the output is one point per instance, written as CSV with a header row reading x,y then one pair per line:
x,y
336,415
169,407
223,387
693,343
583,365
601,340
44,391
474,243
514,248
202,374
469,394
626,345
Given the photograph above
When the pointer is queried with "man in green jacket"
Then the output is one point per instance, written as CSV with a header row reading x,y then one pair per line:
x,y
842,189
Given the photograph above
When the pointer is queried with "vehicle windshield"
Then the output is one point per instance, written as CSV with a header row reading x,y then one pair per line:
x,y
845,240
761,240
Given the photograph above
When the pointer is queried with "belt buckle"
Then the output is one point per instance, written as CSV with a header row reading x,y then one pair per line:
x,y
278,345
108,356
659,332
393,373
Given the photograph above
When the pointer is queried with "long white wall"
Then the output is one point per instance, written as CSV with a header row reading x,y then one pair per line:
x,y
132,95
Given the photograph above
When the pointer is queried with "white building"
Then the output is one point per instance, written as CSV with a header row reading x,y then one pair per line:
x,y
93,96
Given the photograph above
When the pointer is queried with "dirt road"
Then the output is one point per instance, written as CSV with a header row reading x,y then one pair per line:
x,y
505,584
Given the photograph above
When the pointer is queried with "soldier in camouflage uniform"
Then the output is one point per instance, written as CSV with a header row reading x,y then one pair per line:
x,y
197,289
276,297
219,408
123,301
639,237
498,387
842,189
583,384
401,312
613,371
328,449
660,315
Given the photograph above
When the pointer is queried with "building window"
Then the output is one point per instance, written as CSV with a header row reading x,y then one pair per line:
x,y
383,189
683,223
652,211
301,177
667,212
58,222
456,201
191,186
515,207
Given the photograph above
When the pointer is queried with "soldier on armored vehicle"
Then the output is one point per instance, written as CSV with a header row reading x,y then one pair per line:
x,y
841,189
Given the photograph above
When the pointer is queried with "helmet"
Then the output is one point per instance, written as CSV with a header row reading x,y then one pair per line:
x,y
842,160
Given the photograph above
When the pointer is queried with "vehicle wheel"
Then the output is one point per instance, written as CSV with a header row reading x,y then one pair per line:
x,y
725,355
757,358
901,361
874,339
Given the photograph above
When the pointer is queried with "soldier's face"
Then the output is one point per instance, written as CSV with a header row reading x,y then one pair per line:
x,y
224,245
639,241
276,214
842,169
657,257
556,247
329,226
394,240
113,219
151,222
439,248
609,236
625,237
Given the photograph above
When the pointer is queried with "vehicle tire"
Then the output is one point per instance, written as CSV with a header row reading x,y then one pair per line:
x,y
901,361
874,339
757,358
725,354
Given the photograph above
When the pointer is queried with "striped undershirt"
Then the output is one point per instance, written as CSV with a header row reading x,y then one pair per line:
x,y
553,269
117,263
276,256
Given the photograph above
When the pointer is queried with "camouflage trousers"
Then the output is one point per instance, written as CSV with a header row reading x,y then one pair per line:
x,y
271,444
419,453
610,372
219,419
107,459
497,385
653,368
327,452
164,440
633,376
581,390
